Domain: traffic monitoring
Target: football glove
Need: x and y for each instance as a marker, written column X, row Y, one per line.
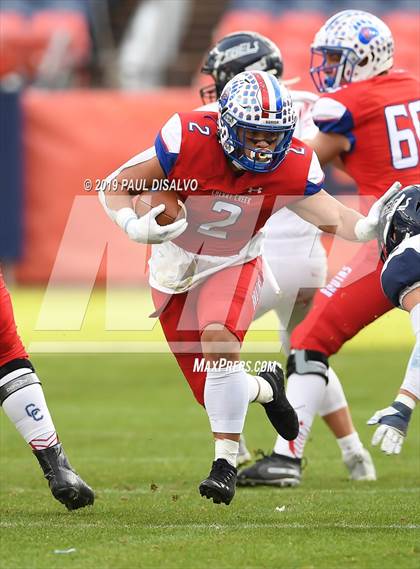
column 365, row 228
column 145, row 229
column 393, row 424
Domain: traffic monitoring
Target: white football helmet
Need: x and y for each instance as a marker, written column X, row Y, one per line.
column 255, row 101
column 363, row 42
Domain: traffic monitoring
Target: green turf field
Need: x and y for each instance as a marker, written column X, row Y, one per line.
column 131, row 428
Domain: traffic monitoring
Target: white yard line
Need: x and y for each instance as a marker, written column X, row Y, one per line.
column 217, row 527
column 89, row 347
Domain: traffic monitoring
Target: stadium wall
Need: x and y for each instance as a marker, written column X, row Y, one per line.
column 69, row 137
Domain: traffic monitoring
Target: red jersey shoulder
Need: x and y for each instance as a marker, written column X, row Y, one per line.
column 198, row 125
column 300, row 147
column 292, row 175
column 362, row 96
column 299, row 154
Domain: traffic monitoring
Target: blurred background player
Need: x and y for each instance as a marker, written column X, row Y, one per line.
column 290, row 242
column 23, row 401
column 399, row 238
column 206, row 280
column 368, row 117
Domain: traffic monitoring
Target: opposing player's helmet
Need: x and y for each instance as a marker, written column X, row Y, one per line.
column 255, row 101
column 237, row 52
column 363, row 43
column 399, row 219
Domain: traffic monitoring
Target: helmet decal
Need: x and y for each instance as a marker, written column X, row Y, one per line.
column 235, row 53
column 367, row 33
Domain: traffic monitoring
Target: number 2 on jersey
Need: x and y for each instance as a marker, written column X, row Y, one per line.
column 210, row 228
column 192, row 126
column 404, row 138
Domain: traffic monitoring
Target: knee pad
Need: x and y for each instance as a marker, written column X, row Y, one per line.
column 15, row 375
column 307, row 361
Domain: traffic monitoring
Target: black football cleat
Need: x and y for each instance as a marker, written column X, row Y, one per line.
column 65, row 484
column 273, row 470
column 279, row 411
column 221, row 483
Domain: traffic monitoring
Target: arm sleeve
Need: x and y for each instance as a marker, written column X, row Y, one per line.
column 168, row 143
column 315, row 177
column 331, row 116
column 303, row 102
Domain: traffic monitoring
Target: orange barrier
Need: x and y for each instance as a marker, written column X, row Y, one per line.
column 69, row 137
column 24, row 41
column 294, row 32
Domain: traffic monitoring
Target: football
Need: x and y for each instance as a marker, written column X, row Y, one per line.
column 173, row 208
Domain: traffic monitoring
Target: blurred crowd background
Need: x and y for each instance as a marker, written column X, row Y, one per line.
column 85, row 84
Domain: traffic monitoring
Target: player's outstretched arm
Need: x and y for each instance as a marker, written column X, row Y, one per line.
column 393, row 421
column 331, row 216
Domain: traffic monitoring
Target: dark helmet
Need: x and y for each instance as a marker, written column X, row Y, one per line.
column 400, row 218
column 237, row 52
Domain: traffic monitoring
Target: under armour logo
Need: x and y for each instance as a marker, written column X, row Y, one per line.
column 254, row 190
column 34, row 412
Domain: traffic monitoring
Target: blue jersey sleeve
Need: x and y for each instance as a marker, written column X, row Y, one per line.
column 331, row 116
column 168, row 143
column 315, row 177
column 312, row 188
column 166, row 159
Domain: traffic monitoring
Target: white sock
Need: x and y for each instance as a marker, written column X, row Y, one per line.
column 259, row 389
column 305, row 393
column 415, row 319
column 411, row 380
column 227, row 449
column 226, row 400
column 349, row 445
column 334, row 395
column 28, row 410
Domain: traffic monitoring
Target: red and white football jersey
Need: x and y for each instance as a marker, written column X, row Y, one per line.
column 227, row 209
column 380, row 118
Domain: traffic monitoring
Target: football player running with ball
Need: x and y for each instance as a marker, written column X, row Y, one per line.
column 205, row 270
column 23, row 401
column 367, row 115
column 399, row 237
column 288, row 241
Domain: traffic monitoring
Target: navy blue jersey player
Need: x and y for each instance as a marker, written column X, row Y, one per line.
column 399, row 239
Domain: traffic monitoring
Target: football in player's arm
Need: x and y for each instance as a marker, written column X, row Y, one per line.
column 399, row 237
